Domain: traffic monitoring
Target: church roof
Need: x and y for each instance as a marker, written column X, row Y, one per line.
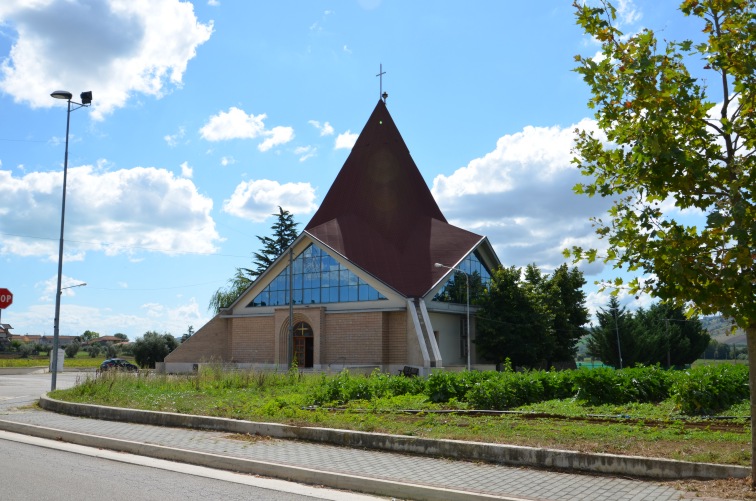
column 380, row 214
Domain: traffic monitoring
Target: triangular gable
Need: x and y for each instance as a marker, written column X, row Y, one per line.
column 318, row 278
column 380, row 214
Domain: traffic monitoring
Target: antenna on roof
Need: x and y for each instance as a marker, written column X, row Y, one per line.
column 382, row 94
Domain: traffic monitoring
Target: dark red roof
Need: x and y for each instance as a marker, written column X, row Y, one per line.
column 380, row 214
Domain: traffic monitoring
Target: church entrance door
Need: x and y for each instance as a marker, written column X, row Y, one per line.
column 303, row 345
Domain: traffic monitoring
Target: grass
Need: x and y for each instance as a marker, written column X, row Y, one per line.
column 653, row 430
column 81, row 362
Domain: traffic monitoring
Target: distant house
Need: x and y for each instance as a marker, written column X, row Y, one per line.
column 359, row 287
column 63, row 341
column 103, row 340
column 5, row 334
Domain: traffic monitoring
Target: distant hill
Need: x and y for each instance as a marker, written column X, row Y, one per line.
column 719, row 330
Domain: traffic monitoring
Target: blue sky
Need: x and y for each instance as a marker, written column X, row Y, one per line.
column 208, row 115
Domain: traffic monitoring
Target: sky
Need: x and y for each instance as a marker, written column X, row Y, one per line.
column 209, row 115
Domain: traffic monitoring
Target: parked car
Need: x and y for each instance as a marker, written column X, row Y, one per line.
column 118, row 364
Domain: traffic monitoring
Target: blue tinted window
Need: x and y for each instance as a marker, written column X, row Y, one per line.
column 317, row 278
column 455, row 290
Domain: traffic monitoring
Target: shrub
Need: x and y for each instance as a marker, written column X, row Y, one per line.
column 72, row 349
column 443, row 386
column 25, row 350
column 710, row 389
column 152, row 348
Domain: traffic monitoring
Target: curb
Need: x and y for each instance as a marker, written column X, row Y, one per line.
column 634, row 466
column 332, row 480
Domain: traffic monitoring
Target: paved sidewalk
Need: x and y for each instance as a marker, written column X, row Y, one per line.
column 484, row 480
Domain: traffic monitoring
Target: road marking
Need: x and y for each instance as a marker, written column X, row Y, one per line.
column 188, row 469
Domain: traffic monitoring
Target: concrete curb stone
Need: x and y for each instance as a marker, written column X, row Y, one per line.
column 634, row 466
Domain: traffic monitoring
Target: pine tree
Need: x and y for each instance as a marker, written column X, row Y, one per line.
column 284, row 233
column 616, row 325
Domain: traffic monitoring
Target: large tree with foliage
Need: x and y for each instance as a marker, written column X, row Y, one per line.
column 284, row 232
column 511, row 323
column 152, row 348
column 670, row 338
column 532, row 318
column 614, row 339
column 566, row 302
column 675, row 139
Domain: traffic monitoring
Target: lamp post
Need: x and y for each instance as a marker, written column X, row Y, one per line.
column 467, row 281
column 86, row 100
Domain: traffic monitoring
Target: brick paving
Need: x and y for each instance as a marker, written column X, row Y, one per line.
column 459, row 475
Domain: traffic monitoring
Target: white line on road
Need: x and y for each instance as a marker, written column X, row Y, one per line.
column 200, row 471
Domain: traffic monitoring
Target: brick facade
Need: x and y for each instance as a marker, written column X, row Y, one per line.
column 348, row 338
column 209, row 343
column 252, row 340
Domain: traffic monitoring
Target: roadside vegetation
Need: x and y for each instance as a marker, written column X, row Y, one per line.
column 640, row 411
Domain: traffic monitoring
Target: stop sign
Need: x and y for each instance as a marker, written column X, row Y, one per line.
column 6, row 298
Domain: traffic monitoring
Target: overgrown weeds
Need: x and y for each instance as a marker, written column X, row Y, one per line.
column 651, row 409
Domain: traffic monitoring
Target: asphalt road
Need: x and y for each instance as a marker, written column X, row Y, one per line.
column 32, row 468
column 25, row 389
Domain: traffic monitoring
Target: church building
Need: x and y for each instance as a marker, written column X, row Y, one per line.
column 377, row 279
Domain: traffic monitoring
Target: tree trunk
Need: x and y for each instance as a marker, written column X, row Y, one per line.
column 751, row 341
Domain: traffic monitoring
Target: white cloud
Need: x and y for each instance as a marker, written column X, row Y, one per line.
column 186, row 170
column 627, row 12
column 50, row 287
column 75, row 318
column 122, row 211
column 520, row 194
column 236, row 124
column 345, row 141
column 173, row 139
column 114, row 48
column 213, row 3
column 325, row 129
column 225, row 161
column 256, row 200
column 276, row 136
column 233, row 124
column 305, row 152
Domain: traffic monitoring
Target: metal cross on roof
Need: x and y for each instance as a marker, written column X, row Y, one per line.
column 380, row 75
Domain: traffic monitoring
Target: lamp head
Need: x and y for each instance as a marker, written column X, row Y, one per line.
column 62, row 94
column 439, row 265
column 86, row 97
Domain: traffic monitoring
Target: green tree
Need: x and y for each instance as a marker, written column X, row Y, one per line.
column 669, row 338
column 566, row 301
column 72, row 349
column 152, row 348
column 284, row 233
column 122, row 337
column 511, row 323
column 25, row 350
column 110, row 350
column 189, row 333
column 615, row 325
column 672, row 137
column 88, row 336
column 94, row 350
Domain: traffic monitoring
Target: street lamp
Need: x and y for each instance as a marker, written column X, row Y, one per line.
column 86, row 100
column 467, row 280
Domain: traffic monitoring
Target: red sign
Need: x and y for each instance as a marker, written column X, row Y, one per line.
column 6, row 298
